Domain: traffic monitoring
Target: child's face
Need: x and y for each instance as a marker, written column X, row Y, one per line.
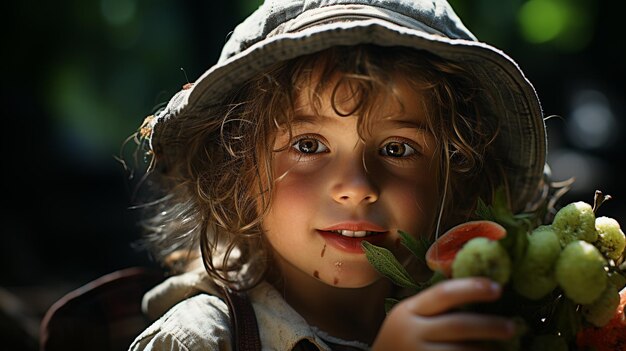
column 330, row 179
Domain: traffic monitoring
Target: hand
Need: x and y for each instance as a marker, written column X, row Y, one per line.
column 425, row 321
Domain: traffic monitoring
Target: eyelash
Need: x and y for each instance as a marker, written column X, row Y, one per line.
column 300, row 138
column 381, row 151
column 411, row 146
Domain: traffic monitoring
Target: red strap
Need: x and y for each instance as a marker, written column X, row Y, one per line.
column 243, row 320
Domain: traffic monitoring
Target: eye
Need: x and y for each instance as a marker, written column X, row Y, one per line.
column 309, row 145
column 397, row 149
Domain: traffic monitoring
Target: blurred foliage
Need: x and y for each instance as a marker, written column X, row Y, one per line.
column 80, row 76
column 246, row 7
column 118, row 64
column 100, row 85
column 566, row 25
column 120, row 59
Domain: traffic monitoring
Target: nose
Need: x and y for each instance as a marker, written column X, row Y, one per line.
column 353, row 184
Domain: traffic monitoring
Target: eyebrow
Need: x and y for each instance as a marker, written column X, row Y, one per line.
column 408, row 123
column 311, row 119
column 411, row 123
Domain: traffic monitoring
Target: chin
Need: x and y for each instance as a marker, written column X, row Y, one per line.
column 352, row 277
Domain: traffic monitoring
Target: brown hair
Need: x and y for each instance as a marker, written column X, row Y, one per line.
column 217, row 191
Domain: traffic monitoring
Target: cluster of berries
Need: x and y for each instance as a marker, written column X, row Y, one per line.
column 577, row 253
column 564, row 281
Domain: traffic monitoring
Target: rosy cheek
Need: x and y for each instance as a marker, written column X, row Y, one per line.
column 293, row 189
column 294, row 195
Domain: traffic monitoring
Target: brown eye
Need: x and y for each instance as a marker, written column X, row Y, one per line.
column 397, row 149
column 309, row 146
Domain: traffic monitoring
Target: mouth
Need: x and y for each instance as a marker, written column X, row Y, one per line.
column 349, row 240
column 354, row 233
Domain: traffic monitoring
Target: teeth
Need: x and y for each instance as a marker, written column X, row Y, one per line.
column 360, row 233
column 353, row 234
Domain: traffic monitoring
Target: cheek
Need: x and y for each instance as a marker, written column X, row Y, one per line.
column 297, row 185
column 295, row 191
column 294, row 198
column 415, row 204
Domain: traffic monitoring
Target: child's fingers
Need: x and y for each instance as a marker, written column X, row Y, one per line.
column 465, row 327
column 451, row 294
column 424, row 321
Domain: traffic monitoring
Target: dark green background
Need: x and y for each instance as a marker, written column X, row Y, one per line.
column 79, row 76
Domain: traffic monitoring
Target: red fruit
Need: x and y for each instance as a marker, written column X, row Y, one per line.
column 442, row 252
column 611, row 337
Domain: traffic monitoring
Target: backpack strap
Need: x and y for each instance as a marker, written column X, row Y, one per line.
column 245, row 331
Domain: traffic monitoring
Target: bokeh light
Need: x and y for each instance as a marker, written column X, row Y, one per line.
column 543, row 20
column 568, row 24
column 592, row 124
column 587, row 171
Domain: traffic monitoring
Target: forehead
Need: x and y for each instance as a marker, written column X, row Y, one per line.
column 393, row 98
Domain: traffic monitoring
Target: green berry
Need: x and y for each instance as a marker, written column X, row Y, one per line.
column 482, row 257
column 576, row 221
column 602, row 310
column 534, row 277
column 580, row 272
column 611, row 240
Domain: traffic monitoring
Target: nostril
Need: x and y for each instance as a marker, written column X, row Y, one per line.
column 355, row 194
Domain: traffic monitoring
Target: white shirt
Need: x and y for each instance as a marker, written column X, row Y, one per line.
column 193, row 316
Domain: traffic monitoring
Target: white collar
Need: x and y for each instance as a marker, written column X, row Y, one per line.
column 280, row 326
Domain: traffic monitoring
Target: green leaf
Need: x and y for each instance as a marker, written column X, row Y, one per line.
column 389, row 303
column 484, row 212
column 417, row 247
column 500, row 209
column 387, row 264
column 517, row 226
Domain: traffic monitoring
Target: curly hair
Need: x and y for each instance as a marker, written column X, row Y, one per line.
column 214, row 195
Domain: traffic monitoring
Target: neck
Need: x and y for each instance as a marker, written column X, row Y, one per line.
column 347, row 313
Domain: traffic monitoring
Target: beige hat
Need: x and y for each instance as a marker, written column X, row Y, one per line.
column 284, row 29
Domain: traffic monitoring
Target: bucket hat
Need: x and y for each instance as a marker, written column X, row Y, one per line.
column 280, row 30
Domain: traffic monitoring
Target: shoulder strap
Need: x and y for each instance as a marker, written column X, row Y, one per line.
column 244, row 325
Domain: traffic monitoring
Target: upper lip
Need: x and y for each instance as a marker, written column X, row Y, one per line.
column 356, row 226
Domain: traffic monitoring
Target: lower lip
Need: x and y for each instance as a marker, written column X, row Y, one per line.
column 348, row 244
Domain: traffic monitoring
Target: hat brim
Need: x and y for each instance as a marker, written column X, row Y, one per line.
column 522, row 139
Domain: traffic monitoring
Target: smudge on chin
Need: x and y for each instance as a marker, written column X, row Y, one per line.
column 316, row 274
column 335, row 281
column 323, row 250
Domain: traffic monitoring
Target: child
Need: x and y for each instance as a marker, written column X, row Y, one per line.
column 324, row 124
